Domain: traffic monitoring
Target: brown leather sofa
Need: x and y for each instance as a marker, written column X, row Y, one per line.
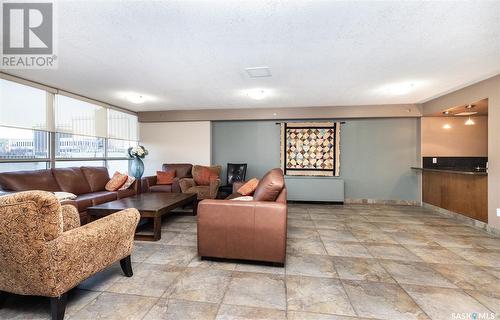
column 87, row 183
column 182, row 170
column 248, row 230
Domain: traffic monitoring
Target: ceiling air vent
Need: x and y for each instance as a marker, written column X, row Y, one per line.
column 258, row 72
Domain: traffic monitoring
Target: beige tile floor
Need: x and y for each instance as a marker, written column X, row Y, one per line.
column 343, row 262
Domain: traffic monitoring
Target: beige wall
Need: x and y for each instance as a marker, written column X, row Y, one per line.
column 490, row 89
column 168, row 142
column 333, row 112
column 458, row 141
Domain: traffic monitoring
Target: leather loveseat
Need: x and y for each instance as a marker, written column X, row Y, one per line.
column 182, row 170
column 87, row 183
column 249, row 230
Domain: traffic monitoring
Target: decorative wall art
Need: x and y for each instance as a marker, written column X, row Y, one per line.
column 310, row 148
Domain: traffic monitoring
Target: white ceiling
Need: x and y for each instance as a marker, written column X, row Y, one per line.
column 192, row 54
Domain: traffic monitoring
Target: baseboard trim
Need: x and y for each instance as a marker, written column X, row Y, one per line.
column 315, row 202
column 383, row 202
column 466, row 220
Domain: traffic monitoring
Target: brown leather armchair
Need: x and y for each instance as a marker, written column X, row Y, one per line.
column 182, row 170
column 188, row 185
column 45, row 252
column 249, row 230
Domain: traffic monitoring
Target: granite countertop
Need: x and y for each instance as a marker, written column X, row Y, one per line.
column 469, row 171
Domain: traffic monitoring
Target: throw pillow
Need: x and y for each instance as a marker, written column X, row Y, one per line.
column 165, row 177
column 249, row 187
column 246, row 198
column 61, row 196
column 127, row 183
column 116, row 181
column 204, row 175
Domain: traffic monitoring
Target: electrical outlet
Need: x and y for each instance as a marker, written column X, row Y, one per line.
column 434, row 160
column 498, row 212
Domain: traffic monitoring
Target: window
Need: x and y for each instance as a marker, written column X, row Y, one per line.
column 76, row 132
column 73, row 146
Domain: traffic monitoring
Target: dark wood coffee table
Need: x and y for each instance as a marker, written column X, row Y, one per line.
column 150, row 205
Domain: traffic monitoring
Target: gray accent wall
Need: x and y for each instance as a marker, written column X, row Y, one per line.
column 376, row 155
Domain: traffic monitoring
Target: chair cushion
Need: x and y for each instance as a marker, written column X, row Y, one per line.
column 165, row 177
column 161, row 188
column 202, row 191
column 182, row 170
column 270, row 186
column 71, row 180
column 249, row 187
column 203, row 175
column 29, row 180
column 97, row 177
column 116, row 181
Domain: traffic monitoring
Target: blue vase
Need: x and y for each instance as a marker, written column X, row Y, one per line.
column 137, row 168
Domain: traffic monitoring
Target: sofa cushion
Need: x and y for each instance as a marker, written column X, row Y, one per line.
column 71, row 180
column 83, row 202
column 161, row 188
column 97, row 198
column 270, row 186
column 165, row 177
column 29, row 180
column 116, row 181
column 182, row 170
column 97, row 177
column 249, row 187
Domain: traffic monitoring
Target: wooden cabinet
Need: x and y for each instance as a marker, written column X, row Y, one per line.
column 466, row 194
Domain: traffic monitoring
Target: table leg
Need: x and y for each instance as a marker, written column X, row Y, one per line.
column 157, row 228
column 195, row 207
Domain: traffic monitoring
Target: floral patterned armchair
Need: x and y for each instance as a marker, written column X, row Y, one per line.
column 45, row 252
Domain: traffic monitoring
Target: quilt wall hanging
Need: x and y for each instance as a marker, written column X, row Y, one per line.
column 310, row 148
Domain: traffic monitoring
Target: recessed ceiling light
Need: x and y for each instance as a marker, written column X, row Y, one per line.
column 446, row 126
column 258, row 72
column 135, row 98
column 470, row 106
column 257, row 93
column 447, row 112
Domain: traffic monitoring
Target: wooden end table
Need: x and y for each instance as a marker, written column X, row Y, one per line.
column 152, row 205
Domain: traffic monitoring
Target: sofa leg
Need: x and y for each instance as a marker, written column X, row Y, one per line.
column 3, row 297
column 126, row 265
column 58, row 306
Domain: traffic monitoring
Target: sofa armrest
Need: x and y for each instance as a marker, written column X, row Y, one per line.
column 71, row 218
column 186, row 183
column 176, row 187
column 253, row 230
column 148, row 182
column 214, row 188
column 79, row 253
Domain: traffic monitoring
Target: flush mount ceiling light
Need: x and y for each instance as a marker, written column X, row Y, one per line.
column 135, row 98
column 258, row 72
column 470, row 122
column 399, row 89
column 257, row 93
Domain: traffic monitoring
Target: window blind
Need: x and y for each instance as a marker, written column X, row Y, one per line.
column 79, row 117
column 22, row 106
column 122, row 125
